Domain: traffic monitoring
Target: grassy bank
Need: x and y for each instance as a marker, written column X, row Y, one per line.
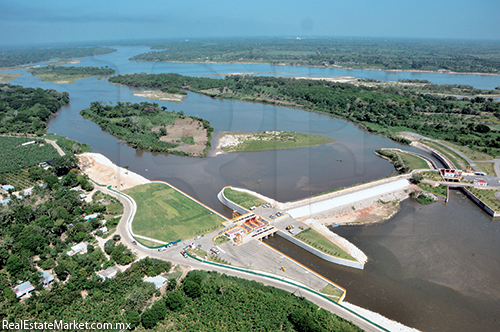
column 243, row 199
column 456, row 159
column 7, row 77
column 468, row 152
column 487, row 196
column 332, row 292
column 488, row 168
column 269, row 140
column 167, row 215
column 403, row 162
column 318, row 241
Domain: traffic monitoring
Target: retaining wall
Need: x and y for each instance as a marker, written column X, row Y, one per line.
column 480, row 203
column 230, row 204
column 322, row 255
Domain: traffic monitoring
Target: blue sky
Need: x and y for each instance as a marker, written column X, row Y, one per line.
column 56, row 21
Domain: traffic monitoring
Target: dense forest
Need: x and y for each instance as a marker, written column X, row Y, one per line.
column 136, row 124
column 25, row 110
column 51, row 73
column 400, row 54
column 16, row 57
column 382, row 109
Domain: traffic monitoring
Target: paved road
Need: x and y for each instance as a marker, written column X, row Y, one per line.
column 173, row 255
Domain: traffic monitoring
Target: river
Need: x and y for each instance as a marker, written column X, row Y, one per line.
column 431, row 267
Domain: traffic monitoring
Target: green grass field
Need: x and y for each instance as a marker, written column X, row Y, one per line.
column 468, row 152
column 243, row 199
column 165, row 214
column 488, row 168
column 318, row 241
column 332, row 291
column 277, row 140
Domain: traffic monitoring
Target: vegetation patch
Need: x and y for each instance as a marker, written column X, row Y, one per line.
column 318, row 241
column 472, row 154
column 269, row 140
column 488, row 168
column 332, row 291
column 25, row 110
column 65, row 75
column 146, row 126
column 242, row 198
column 15, row 155
column 403, row 162
column 165, row 214
column 439, row 190
column 22, row 56
column 221, row 239
column 7, row 77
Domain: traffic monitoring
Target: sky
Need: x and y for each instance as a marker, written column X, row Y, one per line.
column 26, row 22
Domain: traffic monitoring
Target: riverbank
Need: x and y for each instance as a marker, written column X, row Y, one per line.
column 103, row 171
column 159, row 95
column 442, row 71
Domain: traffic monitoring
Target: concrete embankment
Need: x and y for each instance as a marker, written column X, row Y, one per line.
column 346, row 197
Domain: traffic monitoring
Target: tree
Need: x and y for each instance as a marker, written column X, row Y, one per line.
column 64, row 164
column 191, row 288
column 15, row 265
column 149, row 319
column 175, row 301
column 159, row 307
column 133, row 318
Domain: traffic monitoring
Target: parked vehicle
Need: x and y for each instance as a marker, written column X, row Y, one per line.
column 162, row 249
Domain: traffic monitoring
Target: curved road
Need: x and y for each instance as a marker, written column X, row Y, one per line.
column 173, row 255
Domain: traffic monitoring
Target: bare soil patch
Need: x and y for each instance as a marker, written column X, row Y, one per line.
column 187, row 129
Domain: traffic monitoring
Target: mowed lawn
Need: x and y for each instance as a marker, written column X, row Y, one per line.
column 165, row 214
column 242, row 199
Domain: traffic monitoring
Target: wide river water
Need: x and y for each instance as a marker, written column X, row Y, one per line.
column 431, row 267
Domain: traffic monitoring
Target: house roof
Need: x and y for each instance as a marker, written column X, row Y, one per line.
column 46, row 277
column 91, row 216
column 158, row 281
column 79, row 247
column 110, row 272
column 23, row 288
column 479, row 181
column 6, row 187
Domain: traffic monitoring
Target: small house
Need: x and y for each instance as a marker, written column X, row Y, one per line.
column 108, row 273
column 46, row 278
column 91, row 216
column 23, row 289
column 80, row 248
column 6, row 201
column 7, row 187
column 480, row 182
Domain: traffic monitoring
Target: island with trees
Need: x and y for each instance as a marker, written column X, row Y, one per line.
column 359, row 53
column 146, row 126
column 386, row 110
column 24, row 56
column 65, row 75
